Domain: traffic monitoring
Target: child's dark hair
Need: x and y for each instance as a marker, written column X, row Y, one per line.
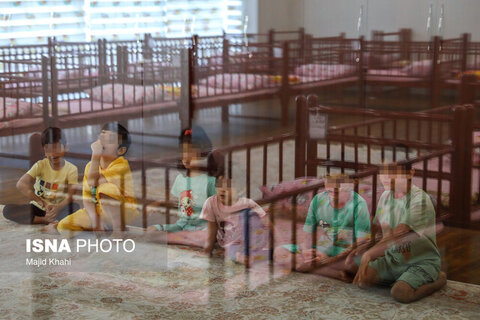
column 216, row 164
column 53, row 135
column 197, row 137
column 124, row 139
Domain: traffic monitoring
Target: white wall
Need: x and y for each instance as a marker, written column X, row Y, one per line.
column 462, row 16
column 330, row 17
column 327, row 18
column 280, row 15
column 250, row 9
column 391, row 15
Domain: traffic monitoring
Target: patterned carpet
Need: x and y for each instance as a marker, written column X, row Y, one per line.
column 188, row 285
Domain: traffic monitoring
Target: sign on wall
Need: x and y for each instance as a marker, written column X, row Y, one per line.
column 318, row 125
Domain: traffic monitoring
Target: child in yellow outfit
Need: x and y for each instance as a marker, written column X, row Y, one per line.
column 108, row 195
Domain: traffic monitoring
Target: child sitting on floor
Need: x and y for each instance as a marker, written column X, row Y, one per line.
column 193, row 189
column 343, row 218
column 407, row 255
column 226, row 221
column 49, row 184
column 107, row 186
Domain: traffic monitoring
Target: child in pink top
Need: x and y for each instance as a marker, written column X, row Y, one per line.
column 226, row 222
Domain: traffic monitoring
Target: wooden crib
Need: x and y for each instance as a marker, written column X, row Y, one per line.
column 187, row 74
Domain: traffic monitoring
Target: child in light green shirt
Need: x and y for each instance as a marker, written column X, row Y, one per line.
column 407, row 256
column 339, row 222
column 340, row 226
column 192, row 189
column 191, row 192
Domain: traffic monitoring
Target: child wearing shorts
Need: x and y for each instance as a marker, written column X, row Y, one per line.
column 49, row 184
column 107, row 186
column 226, row 216
column 193, row 189
column 341, row 216
column 407, row 256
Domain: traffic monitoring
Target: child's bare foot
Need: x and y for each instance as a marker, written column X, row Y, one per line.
column 345, row 277
column 441, row 280
column 152, row 234
column 218, row 252
column 404, row 293
column 303, row 266
column 50, row 228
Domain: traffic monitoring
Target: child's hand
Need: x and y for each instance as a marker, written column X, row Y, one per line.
column 102, row 180
column 43, row 204
column 308, row 256
column 309, row 253
column 51, row 212
column 97, row 148
column 353, row 253
column 361, row 276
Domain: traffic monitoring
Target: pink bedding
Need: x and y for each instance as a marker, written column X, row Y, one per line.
column 204, row 91
column 20, row 123
column 410, row 72
column 29, row 113
column 433, row 165
column 83, row 105
column 388, row 72
column 79, row 106
column 422, row 68
column 303, row 79
column 324, row 71
column 130, row 95
column 11, row 106
column 237, row 81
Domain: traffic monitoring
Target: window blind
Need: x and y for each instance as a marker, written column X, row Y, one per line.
column 30, row 22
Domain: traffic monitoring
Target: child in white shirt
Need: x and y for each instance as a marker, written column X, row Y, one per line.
column 226, row 223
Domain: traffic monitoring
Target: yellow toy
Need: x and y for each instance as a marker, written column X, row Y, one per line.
column 278, row 79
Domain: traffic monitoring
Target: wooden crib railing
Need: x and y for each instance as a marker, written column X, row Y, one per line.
column 421, row 137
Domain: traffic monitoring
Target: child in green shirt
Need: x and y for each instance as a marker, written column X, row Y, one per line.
column 407, row 255
column 192, row 189
column 341, row 220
